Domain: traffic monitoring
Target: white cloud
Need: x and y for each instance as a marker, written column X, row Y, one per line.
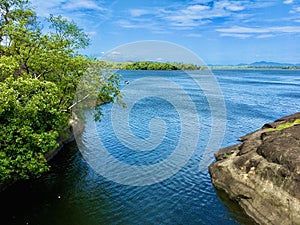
column 79, row 11
column 194, row 35
column 260, row 32
column 192, row 15
column 285, row 29
column 115, row 53
column 83, row 5
column 205, row 11
column 236, row 35
column 195, row 9
column 5, row 41
column 288, row 2
column 44, row 8
column 139, row 12
column 128, row 24
column 229, row 5
column 184, row 17
column 88, row 14
column 235, row 7
column 240, row 30
column 295, row 9
column 135, row 24
column 265, row 36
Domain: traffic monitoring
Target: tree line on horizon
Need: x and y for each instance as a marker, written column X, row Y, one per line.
column 150, row 65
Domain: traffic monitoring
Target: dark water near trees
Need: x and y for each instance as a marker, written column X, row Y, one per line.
column 72, row 193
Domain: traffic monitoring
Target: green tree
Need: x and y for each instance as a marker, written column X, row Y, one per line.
column 39, row 75
column 30, row 118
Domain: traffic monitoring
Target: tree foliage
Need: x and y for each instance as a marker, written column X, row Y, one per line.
column 39, row 75
column 150, row 65
column 30, row 117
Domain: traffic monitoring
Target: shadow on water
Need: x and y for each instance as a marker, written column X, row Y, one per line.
column 71, row 194
column 56, row 198
column 237, row 213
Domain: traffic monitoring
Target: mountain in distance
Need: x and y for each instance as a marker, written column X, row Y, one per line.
column 265, row 63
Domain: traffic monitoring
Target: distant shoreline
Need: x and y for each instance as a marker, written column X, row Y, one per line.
column 151, row 65
column 253, row 68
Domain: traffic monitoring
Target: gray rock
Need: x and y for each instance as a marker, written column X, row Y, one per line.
column 262, row 173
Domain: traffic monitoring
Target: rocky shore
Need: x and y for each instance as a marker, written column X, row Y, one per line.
column 262, row 173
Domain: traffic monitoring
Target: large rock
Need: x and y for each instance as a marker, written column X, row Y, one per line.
column 262, row 173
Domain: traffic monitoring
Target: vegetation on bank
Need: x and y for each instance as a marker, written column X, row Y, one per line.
column 39, row 74
column 150, row 65
column 285, row 125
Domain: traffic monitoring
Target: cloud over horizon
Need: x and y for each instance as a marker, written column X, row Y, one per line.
column 234, row 24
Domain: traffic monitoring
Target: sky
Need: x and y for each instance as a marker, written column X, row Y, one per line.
column 223, row 32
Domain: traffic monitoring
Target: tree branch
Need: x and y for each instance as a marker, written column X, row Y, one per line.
column 77, row 102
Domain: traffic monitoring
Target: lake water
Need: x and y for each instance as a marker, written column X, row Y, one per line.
column 72, row 193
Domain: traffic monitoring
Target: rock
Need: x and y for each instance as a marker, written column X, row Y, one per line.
column 262, row 173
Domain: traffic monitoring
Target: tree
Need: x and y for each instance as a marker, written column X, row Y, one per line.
column 30, row 118
column 39, row 75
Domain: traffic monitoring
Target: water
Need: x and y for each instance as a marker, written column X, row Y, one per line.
column 72, row 193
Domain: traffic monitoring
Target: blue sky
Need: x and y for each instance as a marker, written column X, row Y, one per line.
column 220, row 32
